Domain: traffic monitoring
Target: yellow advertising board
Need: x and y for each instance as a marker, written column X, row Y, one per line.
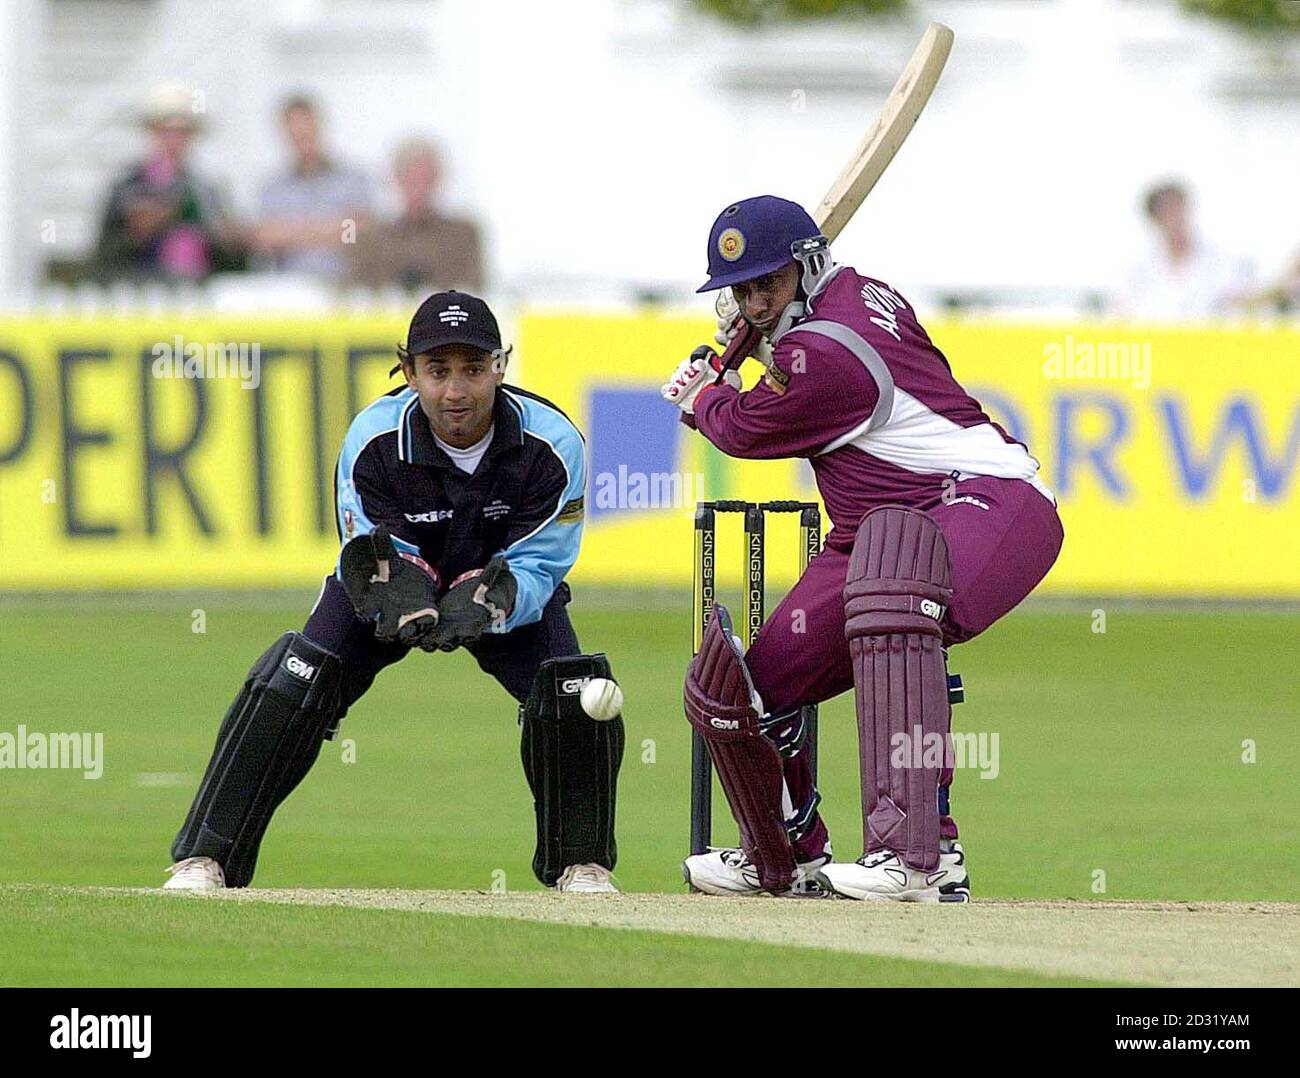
column 1173, row 452
column 183, row 451
column 120, row 466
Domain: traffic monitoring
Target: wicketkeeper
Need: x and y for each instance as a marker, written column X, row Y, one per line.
column 940, row 527
column 460, row 510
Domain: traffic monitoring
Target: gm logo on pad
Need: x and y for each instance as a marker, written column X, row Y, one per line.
column 573, row 685
column 300, row 669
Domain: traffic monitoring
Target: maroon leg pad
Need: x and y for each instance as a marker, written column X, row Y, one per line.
column 898, row 587
column 719, row 704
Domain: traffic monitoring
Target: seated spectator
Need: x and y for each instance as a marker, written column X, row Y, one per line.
column 1288, row 291
column 1183, row 277
column 310, row 215
column 1284, row 296
column 162, row 221
column 422, row 249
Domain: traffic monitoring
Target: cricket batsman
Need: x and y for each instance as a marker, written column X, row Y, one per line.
column 460, row 510
column 940, row 526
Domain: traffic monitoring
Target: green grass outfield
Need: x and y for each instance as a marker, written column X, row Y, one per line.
column 65, row 937
column 1120, row 762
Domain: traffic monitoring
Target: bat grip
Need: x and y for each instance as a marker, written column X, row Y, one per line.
column 740, row 348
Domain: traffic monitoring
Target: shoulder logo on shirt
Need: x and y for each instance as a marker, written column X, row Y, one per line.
column 571, row 512
column 777, row 380
column 433, row 516
column 349, row 524
column 496, row 509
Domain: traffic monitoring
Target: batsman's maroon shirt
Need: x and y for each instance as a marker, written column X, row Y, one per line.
column 858, row 388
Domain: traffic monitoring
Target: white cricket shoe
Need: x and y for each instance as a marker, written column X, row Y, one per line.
column 588, row 879
column 727, row 871
column 195, row 874
column 883, row 877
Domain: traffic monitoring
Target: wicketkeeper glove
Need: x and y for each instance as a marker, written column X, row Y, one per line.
column 693, row 375
column 395, row 590
column 476, row 600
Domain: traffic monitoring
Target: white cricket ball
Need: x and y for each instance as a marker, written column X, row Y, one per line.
column 602, row 699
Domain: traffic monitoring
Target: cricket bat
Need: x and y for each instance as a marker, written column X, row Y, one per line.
column 872, row 156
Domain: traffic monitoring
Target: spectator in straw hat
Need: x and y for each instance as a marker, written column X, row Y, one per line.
column 162, row 220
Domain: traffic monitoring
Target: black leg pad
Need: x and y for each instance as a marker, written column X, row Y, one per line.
column 572, row 764
column 268, row 742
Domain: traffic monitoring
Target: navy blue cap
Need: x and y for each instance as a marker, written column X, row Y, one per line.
column 453, row 318
column 754, row 237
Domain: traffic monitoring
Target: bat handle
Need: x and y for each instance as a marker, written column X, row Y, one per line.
column 741, row 347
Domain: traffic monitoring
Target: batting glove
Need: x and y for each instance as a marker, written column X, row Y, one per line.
column 694, row 375
column 729, row 324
